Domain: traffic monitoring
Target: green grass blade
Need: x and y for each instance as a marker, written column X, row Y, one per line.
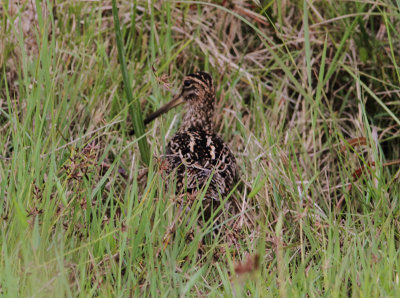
column 136, row 112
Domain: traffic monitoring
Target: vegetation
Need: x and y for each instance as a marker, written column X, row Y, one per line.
column 307, row 98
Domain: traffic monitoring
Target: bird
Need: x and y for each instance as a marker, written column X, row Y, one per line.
column 196, row 153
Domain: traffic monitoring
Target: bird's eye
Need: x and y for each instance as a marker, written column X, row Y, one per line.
column 187, row 83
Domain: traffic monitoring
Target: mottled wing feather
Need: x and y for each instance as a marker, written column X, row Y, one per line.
column 195, row 155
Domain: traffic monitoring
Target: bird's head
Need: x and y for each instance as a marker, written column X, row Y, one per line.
column 197, row 92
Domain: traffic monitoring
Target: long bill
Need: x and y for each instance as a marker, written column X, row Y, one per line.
column 176, row 101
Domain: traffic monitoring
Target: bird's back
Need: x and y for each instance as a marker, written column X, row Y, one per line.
column 195, row 155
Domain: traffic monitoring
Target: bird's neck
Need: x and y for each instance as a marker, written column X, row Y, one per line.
column 199, row 117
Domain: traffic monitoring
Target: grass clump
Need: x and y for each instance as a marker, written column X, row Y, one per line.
column 307, row 98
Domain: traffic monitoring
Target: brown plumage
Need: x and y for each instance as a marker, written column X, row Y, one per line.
column 196, row 153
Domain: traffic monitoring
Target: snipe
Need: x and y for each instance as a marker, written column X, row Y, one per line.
column 196, row 152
